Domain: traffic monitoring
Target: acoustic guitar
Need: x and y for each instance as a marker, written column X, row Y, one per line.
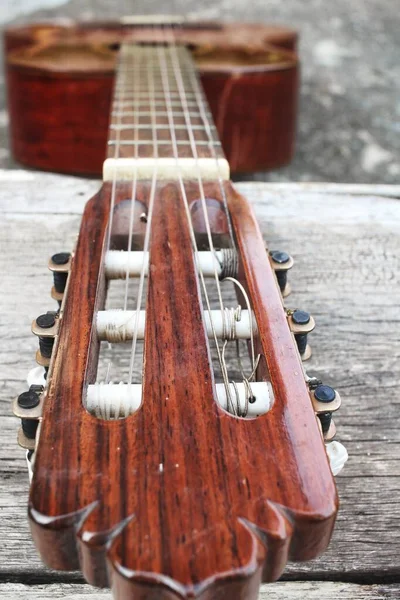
column 177, row 445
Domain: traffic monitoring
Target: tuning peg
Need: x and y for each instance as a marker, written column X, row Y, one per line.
column 59, row 264
column 27, row 408
column 301, row 323
column 325, row 401
column 281, row 262
column 45, row 327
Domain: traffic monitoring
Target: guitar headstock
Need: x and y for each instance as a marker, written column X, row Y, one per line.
column 205, row 469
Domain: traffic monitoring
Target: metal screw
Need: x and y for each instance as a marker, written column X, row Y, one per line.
column 324, row 393
column 46, row 321
column 61, row 258
column 28, row 399
column 279, row 256
column 300, row 317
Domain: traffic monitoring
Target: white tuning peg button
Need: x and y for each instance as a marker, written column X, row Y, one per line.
column 36, row 376
column 337, row 455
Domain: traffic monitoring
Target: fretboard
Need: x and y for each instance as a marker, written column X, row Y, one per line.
column 160, row 114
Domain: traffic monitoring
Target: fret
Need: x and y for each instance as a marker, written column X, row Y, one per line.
column 128, row 102
column 148, row 113
column 159, row 127
column 141, row 113
column 162, row 142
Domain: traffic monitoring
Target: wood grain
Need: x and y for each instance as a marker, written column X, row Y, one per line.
column 355, row 345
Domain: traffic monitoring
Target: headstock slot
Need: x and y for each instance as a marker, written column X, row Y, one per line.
column 127, row 255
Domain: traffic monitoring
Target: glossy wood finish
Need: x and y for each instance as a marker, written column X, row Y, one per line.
column 60, row 81
column 180, row 499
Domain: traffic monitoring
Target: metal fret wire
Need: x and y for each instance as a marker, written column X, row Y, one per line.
column 126, row 90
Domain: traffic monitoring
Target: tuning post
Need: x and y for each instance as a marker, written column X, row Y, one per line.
column 59, row 264
column 301, row 323
column 45, row 327
column 281, row 262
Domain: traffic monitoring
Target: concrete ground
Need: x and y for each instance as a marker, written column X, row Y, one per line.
column 349, row 122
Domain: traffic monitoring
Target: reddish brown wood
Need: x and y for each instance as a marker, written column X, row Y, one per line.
column 60, row 80
column 233, row 498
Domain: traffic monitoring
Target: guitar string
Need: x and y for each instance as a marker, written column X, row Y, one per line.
column 179, row 80
column 222, row 363
column 135, row 106
column 196, row 87
column 150, row 83
column 221, row 355
column 120, row 64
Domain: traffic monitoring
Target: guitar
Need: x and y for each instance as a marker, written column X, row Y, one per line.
column 178, row 447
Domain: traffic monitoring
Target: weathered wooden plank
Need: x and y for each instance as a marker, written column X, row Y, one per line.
column 347, row 275
column 288, row 590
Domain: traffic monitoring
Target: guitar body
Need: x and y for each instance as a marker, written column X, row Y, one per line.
column 60, row 83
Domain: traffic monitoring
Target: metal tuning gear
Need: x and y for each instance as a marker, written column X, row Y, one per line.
column 326, row 400
column 46, row 328
column 301, row 323
column 281, row 262
column 28, row 407
column 60, row 265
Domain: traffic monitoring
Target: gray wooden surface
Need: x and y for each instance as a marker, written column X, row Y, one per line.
column 346, row 245
column 348, row 126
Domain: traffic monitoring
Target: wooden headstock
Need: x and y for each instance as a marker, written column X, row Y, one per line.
column 180, row 499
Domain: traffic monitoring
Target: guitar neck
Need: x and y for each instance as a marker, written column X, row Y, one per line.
column 160, row 120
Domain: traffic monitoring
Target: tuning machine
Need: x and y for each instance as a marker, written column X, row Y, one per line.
column 301, row 323
column 46, row 328
column 28, row 407
column 59, row 264
column 326, row 401
column 281, row 262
